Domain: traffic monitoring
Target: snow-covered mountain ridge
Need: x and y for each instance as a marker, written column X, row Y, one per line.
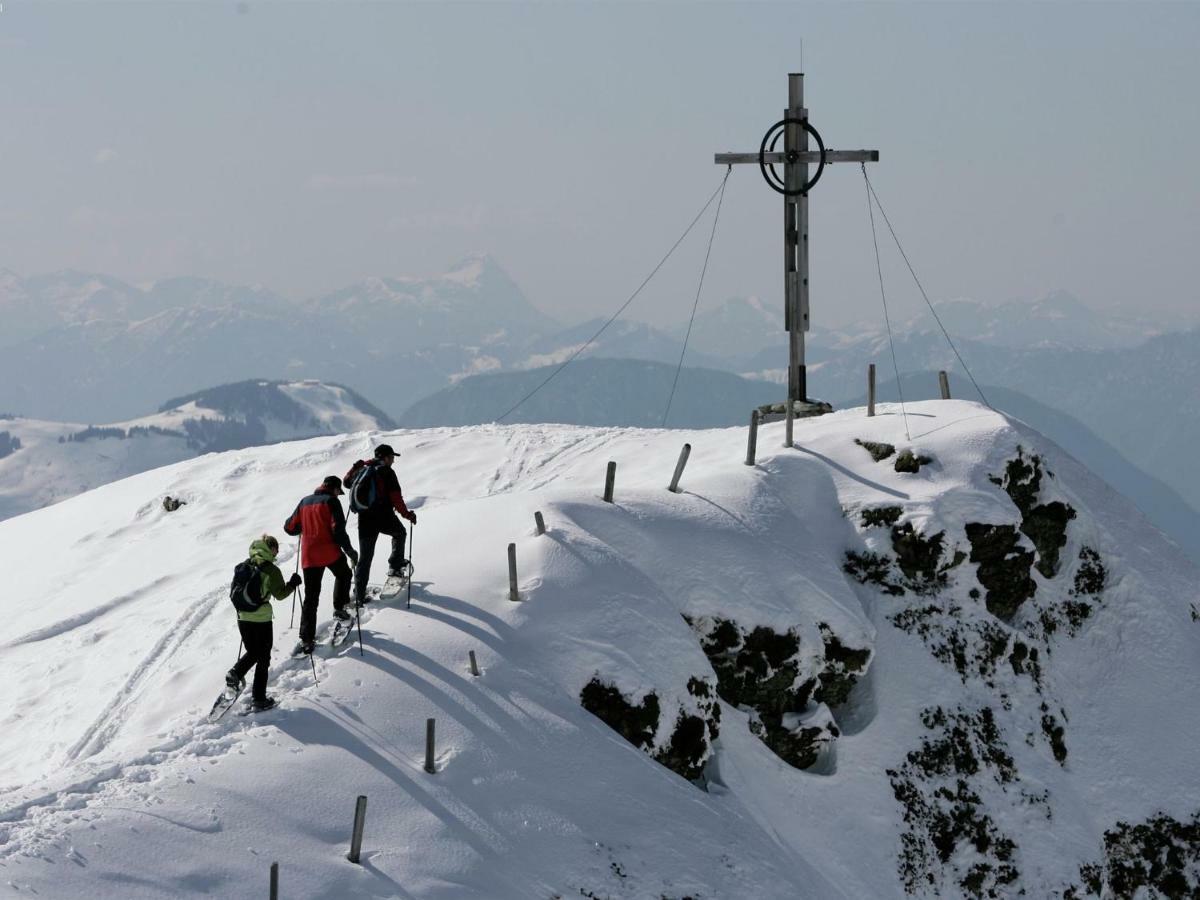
column 954, row 680
column 44, row 462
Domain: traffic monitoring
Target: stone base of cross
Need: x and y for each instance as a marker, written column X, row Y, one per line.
column 796, row 157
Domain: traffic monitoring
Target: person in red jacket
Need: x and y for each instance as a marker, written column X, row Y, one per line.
column 378, row 499
column 321, row 524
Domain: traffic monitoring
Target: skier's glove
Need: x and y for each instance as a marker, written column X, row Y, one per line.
column 412, row 517
column 294, row 581
column 353, row 554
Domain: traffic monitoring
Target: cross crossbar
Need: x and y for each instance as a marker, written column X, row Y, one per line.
column 811, row 157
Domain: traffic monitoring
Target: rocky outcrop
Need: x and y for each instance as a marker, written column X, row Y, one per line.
column 685, row 749
column 1157, row 858
column 950, row 843
column 786, row 693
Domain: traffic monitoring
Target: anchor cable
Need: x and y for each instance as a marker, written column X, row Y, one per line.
column 937, row 318
column 613, row 318
column 703, row 270
column 883, row 296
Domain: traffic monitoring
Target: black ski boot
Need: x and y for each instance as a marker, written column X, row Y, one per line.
column 234, row 681
column 304, row 648
column 263, row 704
column 342, row 614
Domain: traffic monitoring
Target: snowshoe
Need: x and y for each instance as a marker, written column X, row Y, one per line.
column 340, row 630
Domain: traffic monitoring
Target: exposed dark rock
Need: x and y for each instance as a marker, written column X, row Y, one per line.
column 872, row 568
column 637, row 724
column 1159, row 857
column 880, row 515
column 1003, row 567
column 918, row 557
column 843, row 666
column 759, row 671
column 1055, row 734
column 170, row 504
column 1044, row 524
column 910, row 462
column 687, row 749
column 1091, row 575
column 879, row 452
column 943, row 813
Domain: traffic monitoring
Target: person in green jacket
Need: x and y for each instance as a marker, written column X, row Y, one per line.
column 256, row 629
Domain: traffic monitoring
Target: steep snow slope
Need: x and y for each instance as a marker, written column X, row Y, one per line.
column 959, row 734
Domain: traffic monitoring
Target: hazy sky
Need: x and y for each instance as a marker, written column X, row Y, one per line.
column 1025, row 148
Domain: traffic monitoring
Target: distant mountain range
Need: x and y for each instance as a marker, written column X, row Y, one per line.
column 597, row 392
column 43, row 462
column 84, row 347
column 93, row 347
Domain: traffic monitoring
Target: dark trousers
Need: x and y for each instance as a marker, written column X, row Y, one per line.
column 257, row 638
column 370, row 527
column 312, row 594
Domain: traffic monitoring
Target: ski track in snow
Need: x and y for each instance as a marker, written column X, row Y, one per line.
column 85, row 618
column 28, row 822
column 102, row 730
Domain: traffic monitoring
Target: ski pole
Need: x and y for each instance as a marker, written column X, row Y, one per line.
column 412, row 542
column 358, row 621
column 292, row 623
column 313, row 663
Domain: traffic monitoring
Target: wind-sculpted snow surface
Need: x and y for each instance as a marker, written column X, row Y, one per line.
column 816, row 677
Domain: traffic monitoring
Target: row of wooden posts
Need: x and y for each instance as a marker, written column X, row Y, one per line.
column 943, row 386
column 752, row 440
column 610, row 480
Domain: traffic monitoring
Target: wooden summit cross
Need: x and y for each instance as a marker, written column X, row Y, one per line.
column 795, row 185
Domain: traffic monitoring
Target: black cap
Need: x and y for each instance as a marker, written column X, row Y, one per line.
column 384, row 450
column 332, row 485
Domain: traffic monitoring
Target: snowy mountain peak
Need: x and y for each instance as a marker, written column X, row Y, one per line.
column 953, row 664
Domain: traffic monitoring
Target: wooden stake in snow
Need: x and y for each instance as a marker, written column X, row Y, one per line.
column 430, row 767
column 512, row 573
column 474, row 664
column 752, row 442
column 360, row 820
column 274, row 881
column 871, row 389
column 610, row 479
column 683, row 458
column 944, row 384
column 539, row 523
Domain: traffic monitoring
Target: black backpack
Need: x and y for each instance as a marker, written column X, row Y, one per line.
column 363, row 493
column 246, row 589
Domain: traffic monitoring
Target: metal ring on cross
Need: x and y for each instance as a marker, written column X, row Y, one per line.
column 774, row 133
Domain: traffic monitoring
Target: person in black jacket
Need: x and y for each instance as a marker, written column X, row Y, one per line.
column 378, row 501
column 321, row 524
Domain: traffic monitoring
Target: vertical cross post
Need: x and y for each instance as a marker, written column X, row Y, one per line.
column 871, row 389
column 796, row 156
column 795, row 240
